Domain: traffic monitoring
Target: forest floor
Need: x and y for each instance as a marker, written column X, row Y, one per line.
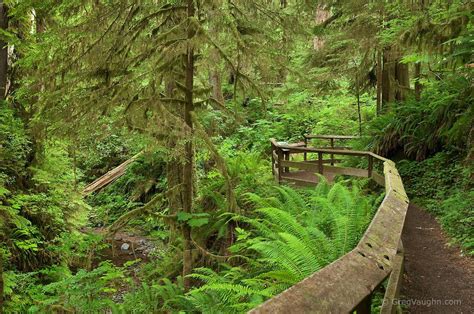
column 123, row 247
column 438, row 278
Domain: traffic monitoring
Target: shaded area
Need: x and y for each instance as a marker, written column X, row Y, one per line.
column 438, row 279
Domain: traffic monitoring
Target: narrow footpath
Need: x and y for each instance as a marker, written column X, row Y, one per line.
column 438, row 279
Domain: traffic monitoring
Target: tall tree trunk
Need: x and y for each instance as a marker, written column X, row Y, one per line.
column 322, row 15
column 379, row 82
column 37, row 129
column 215, row 78
column 395, row 79
column 282, row 72
column 402, row 81
column 3, row 88
column 358, row 101
column 1, row 281
column 174, row 166
column 3, row 52
column 188, row 150
column 388, row 73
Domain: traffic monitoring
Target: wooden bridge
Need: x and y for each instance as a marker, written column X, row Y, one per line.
column 346, row 285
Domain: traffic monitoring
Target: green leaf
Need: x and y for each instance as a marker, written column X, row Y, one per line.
column 183, row 216
column 198, row 222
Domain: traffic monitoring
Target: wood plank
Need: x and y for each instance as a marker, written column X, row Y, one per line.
column 274, row 142
column 379, row 179
column 325, row 161
column 328, row 137
column 320, row 163
column 275, row 156
column 392, row 292
column 336, row 288
column 380, row 158
column 300, row 165
column 296, row 150
column 355, row 172
column 299, row 144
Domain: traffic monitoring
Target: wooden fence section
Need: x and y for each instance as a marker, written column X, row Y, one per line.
column 347, row 284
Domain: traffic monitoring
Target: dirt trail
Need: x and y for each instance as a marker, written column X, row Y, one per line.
column 437, row 278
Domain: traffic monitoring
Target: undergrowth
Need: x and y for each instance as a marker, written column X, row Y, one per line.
column 443, row 185
column 285, row 237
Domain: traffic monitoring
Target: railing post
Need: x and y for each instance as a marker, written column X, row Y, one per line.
column 305, row 145
column 286, row 156
column 364, row 306
column 320, row 162
column 332, row 155
column 371, row 166
column 273, row 159
column 280, row 168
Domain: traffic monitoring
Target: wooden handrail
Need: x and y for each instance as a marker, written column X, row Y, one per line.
column 301, row 149
column 328, row 137
column 347, row 284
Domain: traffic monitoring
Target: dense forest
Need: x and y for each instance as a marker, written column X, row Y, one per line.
column 185, row 96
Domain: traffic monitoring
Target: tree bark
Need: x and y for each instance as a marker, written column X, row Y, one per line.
column 3, row 88
column 402, row 81
column 359, row 113
column 3, row 52
column 215, row 78
column 395, row 79
column 388, row 72
column 379, row 82
column 174, row 166
column 1, row 281
column 189, row 150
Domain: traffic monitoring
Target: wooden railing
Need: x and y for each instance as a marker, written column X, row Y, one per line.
column 347, row 284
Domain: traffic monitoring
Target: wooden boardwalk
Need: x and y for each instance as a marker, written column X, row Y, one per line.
column 347, row 284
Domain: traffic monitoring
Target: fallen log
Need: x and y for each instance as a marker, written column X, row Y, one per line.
column 109, row 177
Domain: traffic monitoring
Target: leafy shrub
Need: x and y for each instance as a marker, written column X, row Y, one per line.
column 442, row 119
column 142, row 179
column 14, row 147
column 443, row 185
column 293, row 235
column 457, row 218
column 35, row 218
column 83, row 292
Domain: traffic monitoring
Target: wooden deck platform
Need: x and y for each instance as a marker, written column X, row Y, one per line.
column 305, row 178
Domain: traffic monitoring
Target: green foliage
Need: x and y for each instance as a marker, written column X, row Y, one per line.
column 14, row 147
column 163, row 296
column 443, row 185
column 303, row 113
column 83, row 292
column 457, row 218
column 293, row 235
column 34, row 219
column 94, row 82
column 143, row 179
column 442, row 119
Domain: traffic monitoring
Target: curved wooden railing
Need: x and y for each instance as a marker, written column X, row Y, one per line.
column 347, row 284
